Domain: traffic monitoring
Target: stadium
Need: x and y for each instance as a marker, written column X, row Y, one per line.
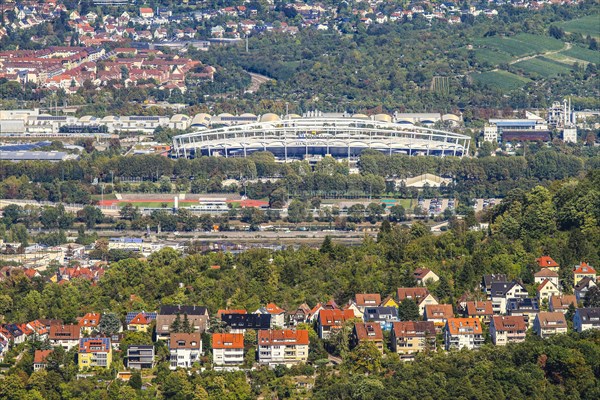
column 296, row 137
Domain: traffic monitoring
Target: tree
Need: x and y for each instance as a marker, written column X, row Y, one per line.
column 128, row 211
column 278, row 198
column 296, row 211
column 592, row 297
column 186, row 327
column 408, row 310
column 136, row 380
column 109, row 324
column 90, row 216
column 176, row 326
column 364, row 359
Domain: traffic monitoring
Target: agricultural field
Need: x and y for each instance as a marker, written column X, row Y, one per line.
column 492, row 57
column 587, row 25
column 543, row 67
column 583, row 54
column 503, row 80
column 520, row 45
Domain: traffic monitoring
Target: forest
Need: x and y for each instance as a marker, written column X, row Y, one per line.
column 561, row 221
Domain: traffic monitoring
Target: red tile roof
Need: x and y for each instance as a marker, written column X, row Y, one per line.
column 583, row 268
column 335, row 317
column 368, row 299
column 464, row 326
column 509, row 323
column 40, row 356
column 546, row 273
column 413, row 328
column 546, row 261
column 228, row 341
column 479, row 308
column 368, row 331
column 413, row 293
column 282, row 337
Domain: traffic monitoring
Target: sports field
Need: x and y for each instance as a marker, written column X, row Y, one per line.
column 588, row 25
column 501, row 79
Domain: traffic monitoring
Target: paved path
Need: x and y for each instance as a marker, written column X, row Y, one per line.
column 257, row 80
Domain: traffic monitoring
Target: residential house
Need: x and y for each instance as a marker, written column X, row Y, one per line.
column 197, row 316
column 89, row 323
column 228, row 350
column 331, row 321
column 438, row 314
column 239, row 323
column 488, row 280
column 66, row 336
column 507, row 329
column 463, row 332
column 363, row 300
column 583, row 271
column 500, row 292
column 418, row 294
column 549, row 323
column 525, row 307
column 582, row 288
column 411, row 337
column 546, row 274
column 547, row 262
column 479, row 309
column 546, row 290
column 282, row 347
column 139, row 321
column 277, row 314
column 369, row 332
column 384, row 316
column 14, row 333
column 358, row 313
column 424, row 276
column 94, row 352
column 140, row 356
column 40, row 329
column 185, row 349
column 561, row 303
column 586, row 318
column 300, row 315
column 39, row 359
column 146, row 12
column 389, row 302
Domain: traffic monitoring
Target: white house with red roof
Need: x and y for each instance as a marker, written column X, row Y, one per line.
column 583, row 270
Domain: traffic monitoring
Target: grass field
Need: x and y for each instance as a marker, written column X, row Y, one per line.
column 583, row 54
column 542, row 66
column 520, row 45
column 494, row 58
column 587, row 25
column 501, row 79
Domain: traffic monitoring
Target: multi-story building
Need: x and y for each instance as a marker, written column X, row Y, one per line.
column 562, row 303
column 479, row 309
column 586, row 318
column 463, row 332
column 369, row 332
column 66, row 336
column 282, row 347
column 582, row 287
column 94, row 352
column 240, row 323
column 411, row 337
column 197, row 317
column 89, row 323
column 500, row 292
column 507, row 329
column 525, row 307
column 39, row 359
column 332, row 321
column 546, row 290
column 384, row 316
column 438, row 314
column 185, row 349
column 277, row 314
column 139, row 321
column 549, row 323
column 228, row 351
column 140, row 357
column 546, row 274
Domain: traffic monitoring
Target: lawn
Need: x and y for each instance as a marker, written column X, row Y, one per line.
column 406, row 203
column 544, row 67
column 501, row 79
column 587, row 25
column 583, row 54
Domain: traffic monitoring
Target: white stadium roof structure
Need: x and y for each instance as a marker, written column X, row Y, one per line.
column 339, row 137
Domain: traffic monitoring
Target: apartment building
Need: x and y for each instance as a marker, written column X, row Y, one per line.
column 282, row 347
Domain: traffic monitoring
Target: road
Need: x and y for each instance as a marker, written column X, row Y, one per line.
column 257, row 80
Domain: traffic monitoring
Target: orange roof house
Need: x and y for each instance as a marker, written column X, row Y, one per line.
column 583, row 270
column 227, row 341
column 547, row 262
